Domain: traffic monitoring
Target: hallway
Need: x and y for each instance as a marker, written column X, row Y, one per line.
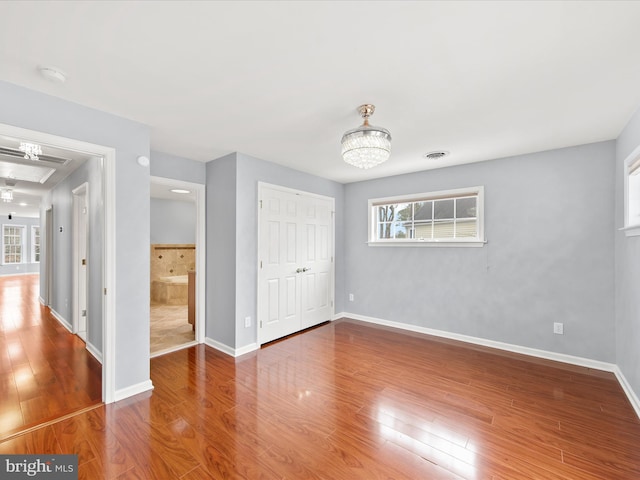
column 45, row 371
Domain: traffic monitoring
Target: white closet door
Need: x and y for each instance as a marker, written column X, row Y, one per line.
column 295, row 273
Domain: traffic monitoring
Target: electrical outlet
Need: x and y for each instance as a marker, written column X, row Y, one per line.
column 558, row 328
column 351, row 297
column 247, row 322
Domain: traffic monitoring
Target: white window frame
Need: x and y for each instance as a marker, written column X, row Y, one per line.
column 632, row 194
column 33, row 243
column 23, row 229
column 477, row 241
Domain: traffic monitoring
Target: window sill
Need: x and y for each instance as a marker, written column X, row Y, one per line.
column 431, row 243
column 631, row 230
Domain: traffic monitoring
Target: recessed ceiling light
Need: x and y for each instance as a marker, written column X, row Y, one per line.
column 180, row 190
column 22, row 204
column 53, row 74
column 436, row 154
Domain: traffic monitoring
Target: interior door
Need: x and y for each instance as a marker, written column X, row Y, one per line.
column 80, row 221
column 48, row 250
column 316, row 255
column 295, row 275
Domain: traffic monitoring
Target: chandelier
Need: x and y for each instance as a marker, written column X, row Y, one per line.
column 366, row 146
column 31, row 150
column 6, row 194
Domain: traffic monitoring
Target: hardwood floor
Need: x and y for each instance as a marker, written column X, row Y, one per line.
column 45, row 371
column 349, row 401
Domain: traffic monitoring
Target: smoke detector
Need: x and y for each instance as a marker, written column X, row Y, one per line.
column 53, row 74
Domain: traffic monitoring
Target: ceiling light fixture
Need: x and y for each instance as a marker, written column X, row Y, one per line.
column 180, row 190
column 31, row 150
column 6, row 194
column 366, row 146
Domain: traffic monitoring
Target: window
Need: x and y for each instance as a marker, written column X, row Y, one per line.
column 35, row 244
column 447, row 218
column 13, row 243
column 632, row 194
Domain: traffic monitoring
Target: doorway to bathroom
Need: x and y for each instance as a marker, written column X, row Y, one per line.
column 176, row 265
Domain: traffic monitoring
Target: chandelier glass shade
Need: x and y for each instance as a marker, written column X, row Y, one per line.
column 31, row 150
column 366, row 146
column 6, row 194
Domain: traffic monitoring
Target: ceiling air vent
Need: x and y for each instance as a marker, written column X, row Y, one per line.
column 436, row 155
column 10, row 152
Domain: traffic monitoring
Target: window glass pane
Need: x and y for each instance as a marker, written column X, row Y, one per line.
column 403, row 212
column 423, row 211
column 443, row 229
column 401, row 230
column 466, row 207
column 388, row 213
column 384, row 230
column 466, row 228
column 423, row 230
column 443, row 209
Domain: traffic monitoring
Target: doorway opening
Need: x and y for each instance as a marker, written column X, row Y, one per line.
column 177, row 265
column 54, row 231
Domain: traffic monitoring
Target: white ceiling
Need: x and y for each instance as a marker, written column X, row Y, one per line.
column 281, row 80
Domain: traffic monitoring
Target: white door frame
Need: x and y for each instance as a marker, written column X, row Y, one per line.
column 199, row 191
column 108, row 155
column 80, row 235
column 48, row 257
column 332, row 281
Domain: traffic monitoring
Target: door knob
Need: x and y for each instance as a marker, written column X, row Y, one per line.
column 299, row 270
column 305, row 269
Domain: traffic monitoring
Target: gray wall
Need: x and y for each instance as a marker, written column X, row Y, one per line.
column 129, row 139
column 232, row 253
column 61, row 197
column 177, row 168
column 548, row 257
column 173, row 221
column 627, row 250
column 221, row 250
column 27, row 267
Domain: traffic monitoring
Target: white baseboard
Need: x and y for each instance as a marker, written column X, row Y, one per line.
column 42, row 301
column 94, row 351
column 558, row 357
column 173, row 349
column 133, row 390
column 626, row 386
column 534, row 352
column 234, row 352
column 63, row 321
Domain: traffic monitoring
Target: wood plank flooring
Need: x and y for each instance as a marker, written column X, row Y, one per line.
column 348, row 401
column 45, row 371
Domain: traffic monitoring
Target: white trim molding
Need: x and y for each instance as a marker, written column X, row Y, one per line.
column 173, row 349
column 234, row 352
column 108, row 155
column 94, row 351
column 533, row 352
column 626, row 386
column 63, row 321
column 133, row 390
